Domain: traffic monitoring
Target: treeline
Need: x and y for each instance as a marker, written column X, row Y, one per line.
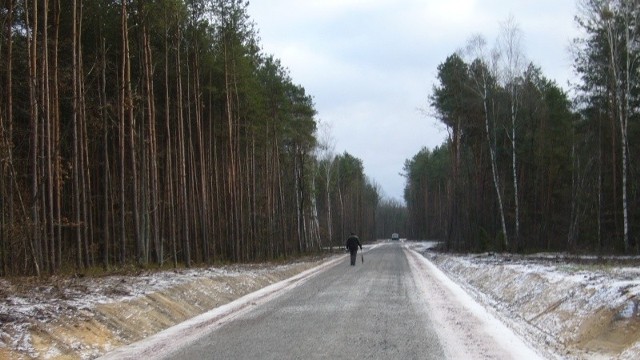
column 157, row 132
column 525, row 167
column 391, row 217
column 347, row 199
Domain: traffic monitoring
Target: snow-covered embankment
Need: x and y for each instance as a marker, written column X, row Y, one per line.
column 578, row 308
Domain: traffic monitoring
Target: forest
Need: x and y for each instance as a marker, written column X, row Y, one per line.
column 528, row 166
column 158, row 133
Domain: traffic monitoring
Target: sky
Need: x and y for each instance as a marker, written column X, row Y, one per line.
column 370, row 65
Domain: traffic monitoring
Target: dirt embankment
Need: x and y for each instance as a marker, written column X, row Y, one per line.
column 579, row 309
column 85, row 318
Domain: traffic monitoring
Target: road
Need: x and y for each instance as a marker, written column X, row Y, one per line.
column 395, row 305
column 368, row 311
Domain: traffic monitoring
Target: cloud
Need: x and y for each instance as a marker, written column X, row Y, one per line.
column 370, row 64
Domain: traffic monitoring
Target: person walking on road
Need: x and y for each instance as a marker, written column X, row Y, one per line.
column 352, row 245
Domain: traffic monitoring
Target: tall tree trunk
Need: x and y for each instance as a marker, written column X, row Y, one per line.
column 34, row 241
column 231, row 169
column 280, row 202
column 87, row 206
column 56, row 142
column 6, row 147
column 128, row 102
column 298, row 188
column 193, row 198
column 621, row 78
column 482, row 90
column 48, row 150
column 253, row 191
column 76, row 142
column 329, row 160
column 106, row 233
column 153, row 157
column 516, row 234
column 513, row 55
column 494, row 166
column 215, row 198
column 121, row 135
column 203, row 168
column 169, row 178
column 184, row 206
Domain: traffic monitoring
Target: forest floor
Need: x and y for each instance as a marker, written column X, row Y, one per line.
column 573, row 307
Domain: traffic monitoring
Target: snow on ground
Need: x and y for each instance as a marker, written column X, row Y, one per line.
column 575, row 307
column 467, row 330
column 563, row 306
column 182, row 334
column 86, row 317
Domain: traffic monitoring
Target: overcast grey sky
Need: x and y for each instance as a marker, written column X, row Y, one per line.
column 370, row 65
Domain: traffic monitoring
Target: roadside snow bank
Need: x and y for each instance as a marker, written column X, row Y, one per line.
column 576, row 308
column 466, row 329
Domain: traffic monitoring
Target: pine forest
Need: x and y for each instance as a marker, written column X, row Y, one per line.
column 528, row 166
column 158, row 133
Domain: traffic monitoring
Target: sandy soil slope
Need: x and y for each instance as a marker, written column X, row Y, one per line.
column 83, row 318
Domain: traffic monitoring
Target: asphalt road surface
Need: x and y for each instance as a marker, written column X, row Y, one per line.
column 369, row 311
column 395, row 305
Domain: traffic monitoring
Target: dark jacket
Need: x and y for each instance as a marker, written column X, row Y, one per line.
column 353, row 242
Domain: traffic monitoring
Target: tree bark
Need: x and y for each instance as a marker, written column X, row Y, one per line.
column 121, row 134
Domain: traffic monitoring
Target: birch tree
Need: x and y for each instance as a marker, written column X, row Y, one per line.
column 326, row 156
column 484, row 76
column 512, row 69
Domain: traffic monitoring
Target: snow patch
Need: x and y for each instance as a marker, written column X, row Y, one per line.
column 630, row 309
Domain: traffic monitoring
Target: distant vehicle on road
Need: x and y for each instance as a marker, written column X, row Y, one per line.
column 395, row 236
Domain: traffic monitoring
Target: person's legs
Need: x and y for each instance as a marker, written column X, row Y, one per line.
column 353, row 257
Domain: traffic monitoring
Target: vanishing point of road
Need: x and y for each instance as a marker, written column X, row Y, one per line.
column 392, row 305
column 369, row 311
